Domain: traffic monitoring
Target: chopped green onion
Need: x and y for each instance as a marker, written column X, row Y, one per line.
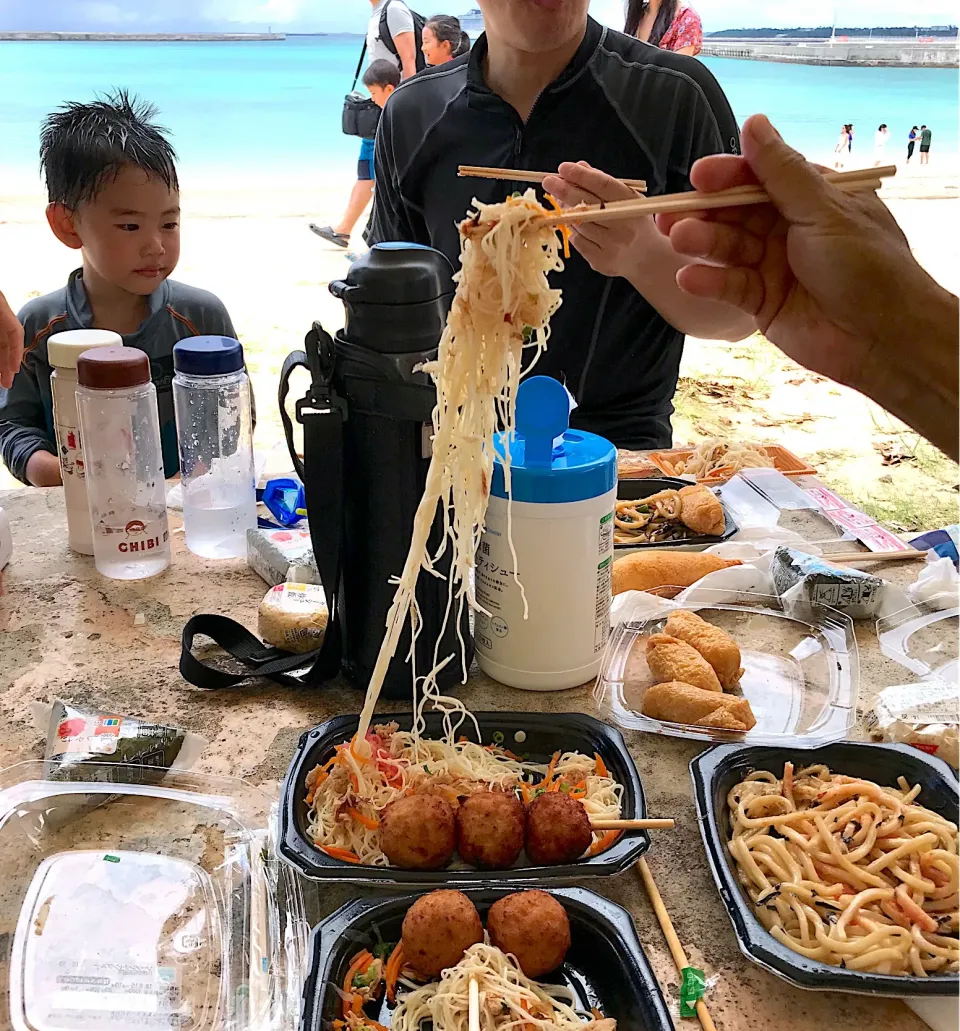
column 498, row 737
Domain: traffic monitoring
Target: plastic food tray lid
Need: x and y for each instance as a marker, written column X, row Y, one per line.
column 637, row 489
column 922, row 639
column 801, row 671
column 606, row 966
column 134, row 899
column 718, row 770
column 538, row 734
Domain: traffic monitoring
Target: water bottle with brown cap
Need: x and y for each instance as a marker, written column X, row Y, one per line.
column 124, row 463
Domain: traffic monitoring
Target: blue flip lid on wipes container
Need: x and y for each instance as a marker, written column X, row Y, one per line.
column 550, row 463
column 208, row 356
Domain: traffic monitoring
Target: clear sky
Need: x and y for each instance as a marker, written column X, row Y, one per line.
column 350, row 15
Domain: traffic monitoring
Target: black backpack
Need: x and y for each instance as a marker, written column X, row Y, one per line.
column 418, row 23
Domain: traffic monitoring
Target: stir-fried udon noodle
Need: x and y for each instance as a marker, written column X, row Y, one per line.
column 847, row 872
column 508, row 999
column 502, row 306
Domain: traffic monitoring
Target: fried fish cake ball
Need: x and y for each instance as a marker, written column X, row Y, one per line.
column 438, row 929
column 558, row 829
column 532, row 926
column 418, row 832
column 490, row 829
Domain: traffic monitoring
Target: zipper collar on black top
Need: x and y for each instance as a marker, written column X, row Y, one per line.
column 81, row 314
column 592, row 39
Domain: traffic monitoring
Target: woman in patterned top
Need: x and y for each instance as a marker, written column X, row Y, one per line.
column 668, row 24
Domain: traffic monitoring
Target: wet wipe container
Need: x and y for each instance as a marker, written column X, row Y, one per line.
column 558, row 510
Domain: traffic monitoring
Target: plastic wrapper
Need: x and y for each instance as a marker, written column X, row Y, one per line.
column 812, row 578
column 924, row 714
column 293, row 617
column 279, row 556
column 938, row 584
column 76, row 736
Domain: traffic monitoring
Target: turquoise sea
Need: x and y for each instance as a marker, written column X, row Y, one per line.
column 247, row 107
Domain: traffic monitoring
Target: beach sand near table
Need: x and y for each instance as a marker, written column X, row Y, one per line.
column 248, row 242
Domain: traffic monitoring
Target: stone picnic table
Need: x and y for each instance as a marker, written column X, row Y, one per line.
column 66, row 632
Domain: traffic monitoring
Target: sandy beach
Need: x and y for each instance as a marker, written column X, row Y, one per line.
column 247, row 240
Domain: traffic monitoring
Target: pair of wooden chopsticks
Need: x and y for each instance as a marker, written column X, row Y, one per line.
column 857, row 557
column 738, row 196
column 522, row 175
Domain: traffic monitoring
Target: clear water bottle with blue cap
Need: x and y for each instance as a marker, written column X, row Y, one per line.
column 544, row 563
column 211, row 396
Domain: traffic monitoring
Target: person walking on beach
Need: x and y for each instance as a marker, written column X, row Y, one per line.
column 912, row 142
column 667, row 24
column 443, row 40
column 926, row 135
column 391, row 36
column 842, row 147
column 880, row 141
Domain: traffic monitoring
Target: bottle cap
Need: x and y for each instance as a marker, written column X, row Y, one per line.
column 112, row 368
column 208, row 356
column 63, row 349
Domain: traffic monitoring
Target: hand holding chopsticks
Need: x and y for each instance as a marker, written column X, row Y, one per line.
column 740, row 196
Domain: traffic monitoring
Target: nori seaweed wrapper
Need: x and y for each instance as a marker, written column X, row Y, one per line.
column 857, row 594
column 80, row 737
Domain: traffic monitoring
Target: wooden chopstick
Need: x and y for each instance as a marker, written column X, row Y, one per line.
column 861, row 179
column 666, row 925
column 522, row 175
column 473, row 1006
column 631, row 825
column 907, row 555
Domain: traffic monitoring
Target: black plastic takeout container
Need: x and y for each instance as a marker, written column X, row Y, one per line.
column 715, row 772
column 606, row 966
column 638, row 489
column 545, row 733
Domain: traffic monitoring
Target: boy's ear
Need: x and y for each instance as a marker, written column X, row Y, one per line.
column 61, row 221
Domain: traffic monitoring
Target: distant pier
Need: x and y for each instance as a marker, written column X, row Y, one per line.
column 883, row 53
column 154, row 37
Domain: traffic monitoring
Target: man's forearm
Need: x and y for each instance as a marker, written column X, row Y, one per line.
column 655, row 277
column 921, row 388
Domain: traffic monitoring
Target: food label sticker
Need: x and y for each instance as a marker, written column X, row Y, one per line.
column 924, row 702
column 692, row 987
column 604, row 597
column 97, row 736
column 606, row 533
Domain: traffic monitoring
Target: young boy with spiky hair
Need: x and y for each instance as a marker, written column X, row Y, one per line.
column 113, row 195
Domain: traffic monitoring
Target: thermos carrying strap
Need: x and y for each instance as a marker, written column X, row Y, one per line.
column 322, row 414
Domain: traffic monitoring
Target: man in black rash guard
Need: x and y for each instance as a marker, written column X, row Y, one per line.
column 547, row 85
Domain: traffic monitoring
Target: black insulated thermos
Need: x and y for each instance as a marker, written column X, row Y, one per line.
column 365, row 385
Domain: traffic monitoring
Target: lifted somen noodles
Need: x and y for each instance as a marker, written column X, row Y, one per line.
column 847, row 872
column 502, row 304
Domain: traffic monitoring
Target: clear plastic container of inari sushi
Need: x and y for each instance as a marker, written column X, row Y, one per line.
column 798, row 671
